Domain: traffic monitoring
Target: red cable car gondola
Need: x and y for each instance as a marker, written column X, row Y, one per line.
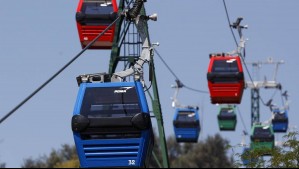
column 225, row 79
column 93, row 17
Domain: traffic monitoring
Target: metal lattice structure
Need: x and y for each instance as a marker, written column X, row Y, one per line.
column 255, row 87
column 255, row 106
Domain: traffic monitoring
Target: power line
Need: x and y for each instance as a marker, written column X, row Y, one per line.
column 57, row 73
column 176, row 77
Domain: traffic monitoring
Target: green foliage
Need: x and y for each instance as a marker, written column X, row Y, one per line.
column 73, row 163
column 65, row 157
column 2, row 165
column 286, row 156
column 211, row 153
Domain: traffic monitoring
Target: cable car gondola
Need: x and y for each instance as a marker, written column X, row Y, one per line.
column 93, row 17
column 112, row 126
column 262, row 138
column 246, row 157
column 225, row 79
column 186, row 125
column 227, row 118
column 280, row 121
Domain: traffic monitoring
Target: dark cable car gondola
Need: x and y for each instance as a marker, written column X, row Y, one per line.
column 225, row 79
column 112, row 125
column 227, row 118
column 280, row 121
column 246, row 157
column 93, row 17
column 262, row 138
column 186, row 125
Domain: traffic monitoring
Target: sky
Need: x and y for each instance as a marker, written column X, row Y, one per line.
column 39, row 37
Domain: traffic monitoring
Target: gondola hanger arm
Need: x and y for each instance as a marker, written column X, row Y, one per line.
column 147, row 48
column 241, row 46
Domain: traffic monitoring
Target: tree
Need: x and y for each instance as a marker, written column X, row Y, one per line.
column 206, row 154
column 211, row 153
column 286, row 156
column 66, row 157
column 2, row 165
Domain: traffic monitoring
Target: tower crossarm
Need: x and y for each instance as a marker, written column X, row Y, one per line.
column 263, row 84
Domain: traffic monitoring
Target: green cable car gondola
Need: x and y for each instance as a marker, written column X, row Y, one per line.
column 262, row 138
column 227, row 118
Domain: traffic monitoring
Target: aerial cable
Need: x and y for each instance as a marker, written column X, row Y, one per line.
column 274, row 94
column 263, row 102
column 229, row 22
column 269, row 103
column 195, row 90
column 242, row 56
column 57, row 73
column 127, row 26
column 171, row 71
column 285, row 94
column 176, row 77
column 242, row 120
column 282, row 100
column 247, row 70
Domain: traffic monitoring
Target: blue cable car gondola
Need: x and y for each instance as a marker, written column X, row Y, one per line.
column 246, row 157
column 186, row 125
column 280, row 121
column 112, row 125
